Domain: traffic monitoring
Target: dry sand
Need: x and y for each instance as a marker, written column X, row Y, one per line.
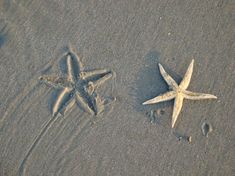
column 131, row 38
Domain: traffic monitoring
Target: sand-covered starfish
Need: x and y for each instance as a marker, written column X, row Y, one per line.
column 178, row 92
column 78, row 86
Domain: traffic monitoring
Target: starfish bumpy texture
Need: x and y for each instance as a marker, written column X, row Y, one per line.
column 178, row 92
column 78, row 86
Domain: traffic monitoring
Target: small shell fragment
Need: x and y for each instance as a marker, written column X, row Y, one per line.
column 189, row 139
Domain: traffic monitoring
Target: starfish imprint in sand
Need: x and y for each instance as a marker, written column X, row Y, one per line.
column 178, row 92
column 78, row 86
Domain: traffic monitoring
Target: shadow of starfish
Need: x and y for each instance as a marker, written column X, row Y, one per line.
column 78, row 86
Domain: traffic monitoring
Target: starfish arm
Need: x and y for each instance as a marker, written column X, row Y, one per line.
column 54, row 81
column 102, row 103
column 87, row 74
column 102, row 79
column 187, row 77
column 169, row 80
column 71, row 71
column 177, row 108
column 198, row 96
column 95, row 101
column 164, row 97
column 68, row 105
column 76, row 63
column 61, row 101
column 83, row 104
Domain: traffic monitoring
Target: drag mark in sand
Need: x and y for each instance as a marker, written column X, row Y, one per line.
column 35, row 142
column 79, row 86
column 178, row 92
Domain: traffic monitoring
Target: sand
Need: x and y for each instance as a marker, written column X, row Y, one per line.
column 130, row 38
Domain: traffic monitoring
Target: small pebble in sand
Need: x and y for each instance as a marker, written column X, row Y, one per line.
column 189, row 139
column 206, row 129
column 160, row 112
column 185, row 138
column 152, row 116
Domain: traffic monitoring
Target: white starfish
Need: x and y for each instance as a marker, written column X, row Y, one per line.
column 178, row 92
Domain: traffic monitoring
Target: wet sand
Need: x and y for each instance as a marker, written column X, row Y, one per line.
column 129, row 38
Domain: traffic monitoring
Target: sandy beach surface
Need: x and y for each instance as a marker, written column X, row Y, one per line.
column 129, row 38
